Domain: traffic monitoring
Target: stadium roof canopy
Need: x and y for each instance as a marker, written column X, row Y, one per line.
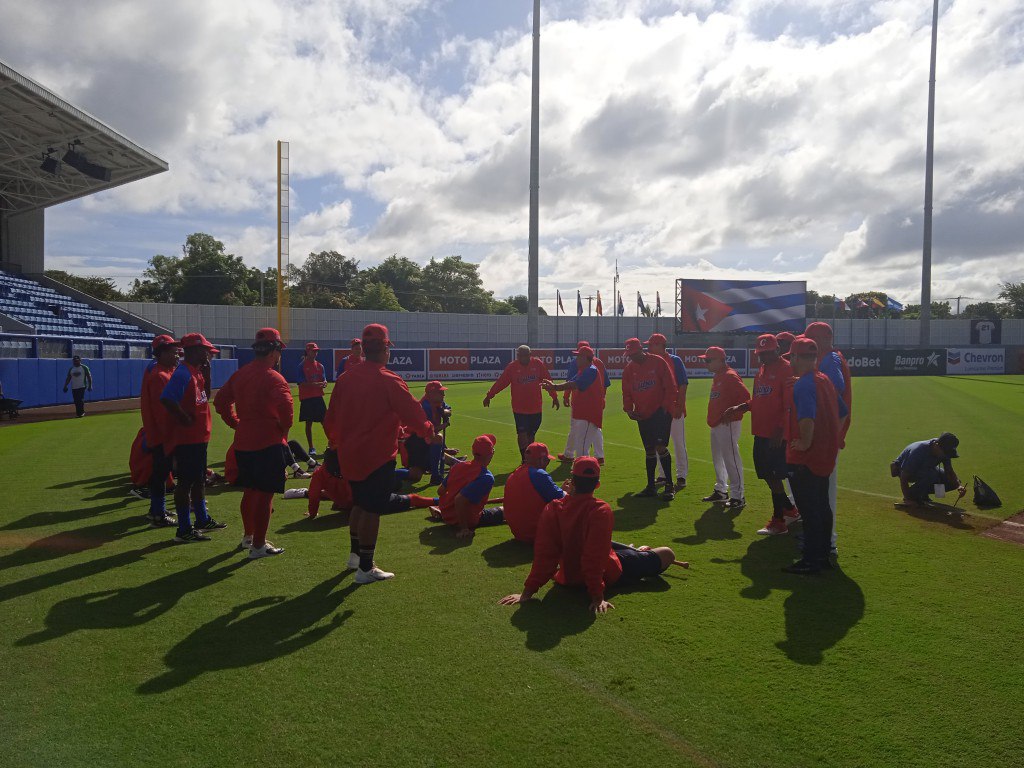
column 36, row 123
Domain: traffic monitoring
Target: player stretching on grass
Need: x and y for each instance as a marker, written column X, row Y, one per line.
column 257, row 403
column 525, row 374
column 423, row 456
column 464, row 492
column 156, row 424
column 574, row 545
column 727, row 390
column 312, row 383
column 527, row 491
column 368, row 404
column 648, row 397
column 187, row 397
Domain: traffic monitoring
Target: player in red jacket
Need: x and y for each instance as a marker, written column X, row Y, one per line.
column 813, row 433
column 727, row 390
column 767, row 424
column 368, row 404
column 524, row 374
column 312, row 383
column 527, row 491
column 156, row 423
column 354, row 358
column 574, row 545
column 463, row 494
column 257, row 403
column 588, row 401
column 187, row 397
column 648, row 397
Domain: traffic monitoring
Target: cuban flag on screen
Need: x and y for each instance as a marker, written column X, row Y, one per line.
column 756, row 306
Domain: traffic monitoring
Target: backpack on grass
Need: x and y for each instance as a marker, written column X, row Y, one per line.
column 984, row 496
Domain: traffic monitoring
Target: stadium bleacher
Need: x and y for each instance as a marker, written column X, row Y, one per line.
column 52, row 313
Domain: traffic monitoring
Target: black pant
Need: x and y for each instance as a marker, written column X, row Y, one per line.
column 810, row 492
column 79, row 396
column 296, row 453
column 161, row 467
column 924, row 484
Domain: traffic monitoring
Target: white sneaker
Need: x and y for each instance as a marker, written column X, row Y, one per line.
column 353, row 561
column 296, row 493
column 372, row 575
column 246, row 542
column 266, row 550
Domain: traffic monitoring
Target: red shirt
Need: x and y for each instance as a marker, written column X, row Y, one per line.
column 648, row 386
column 768, row 404
column 459, row 479
column 588, row 404
column 156, row 419
column 820, row 458
column 231, row 466
column 727, row 390
column 257, row 403
column 368, row 404
column 527, row 395
column 574, row 544
column 311, row 384
column 325, row 485
column 187, row 387
column 524, row 502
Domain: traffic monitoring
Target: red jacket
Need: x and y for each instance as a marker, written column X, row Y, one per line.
column 820, row 458
column 312, row 378
column 574, row 544
column 368, row 404
column 460, row 476
column 588, row 404
column 727, row 390
column 156, row 419
column 257, row 403
column 523, row 503
column 648, row 386
column 527, row 395
column 325, row 485
column 768, row 403
column 187, row 387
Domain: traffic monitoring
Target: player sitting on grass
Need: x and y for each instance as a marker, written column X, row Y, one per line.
column 336, row 489
column 464, row 492
column 917, row 467
column 420, row 456
column 527, row 491
column 574, row 545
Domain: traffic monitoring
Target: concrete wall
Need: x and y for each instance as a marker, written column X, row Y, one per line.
column 22, row 241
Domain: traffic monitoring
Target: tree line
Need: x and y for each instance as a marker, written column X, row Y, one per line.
column 1010, row 304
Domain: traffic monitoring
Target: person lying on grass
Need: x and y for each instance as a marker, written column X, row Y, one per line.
column 574, row 545
column 465, row 491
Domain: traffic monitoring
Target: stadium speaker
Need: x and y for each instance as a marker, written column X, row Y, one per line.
column 80, row 163
column 51, row 165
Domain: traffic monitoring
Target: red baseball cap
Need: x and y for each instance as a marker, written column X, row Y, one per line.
column 163, row 340
column 312, row 345
column 657, row 338
column 196, row 340
column 537, row 451
column 766, row 343
column 584, row 350
column 264, row 335
column 633, row 346
column 818, row 330
column 436, row 386
column 803, row 345
column 484, row 445
column 376, row 335
column 356, row 341
column 586, row 466
column 712, row 353
column 785, row 337
column 582, row 344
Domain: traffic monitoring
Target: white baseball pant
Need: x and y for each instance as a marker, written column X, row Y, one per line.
column 725, row 455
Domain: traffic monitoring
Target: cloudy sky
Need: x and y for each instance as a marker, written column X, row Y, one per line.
column 685, row 138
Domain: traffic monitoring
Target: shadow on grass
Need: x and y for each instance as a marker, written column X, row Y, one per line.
column 121, row 478
column 931, row 515
column 442, row 539
column 254, row 633
column 508, row 554
column 716, row 524
column 819, row 611
column 632, row 514
column 561, row 471
column 130, row 606
column 78, row 571
column 77, row 540
column 65, row 516
column 322, row 522
column 561, row 613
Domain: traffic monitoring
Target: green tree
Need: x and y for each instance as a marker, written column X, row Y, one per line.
column 521, row 305
column 940, row 311
column 209, row 275
column 457, row 286
column 160, row 280
column 377, row 296
column 406, row 279
column 1012, row 295
column 103, row 288
column 988, row 310
column 327, row 279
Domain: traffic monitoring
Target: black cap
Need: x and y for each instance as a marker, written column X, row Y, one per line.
column 948, row 442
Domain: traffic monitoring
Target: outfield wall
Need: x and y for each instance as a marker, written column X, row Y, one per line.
column 39, row 382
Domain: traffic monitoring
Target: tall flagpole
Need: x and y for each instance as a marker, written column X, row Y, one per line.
column 532, row 315
column 926, row 256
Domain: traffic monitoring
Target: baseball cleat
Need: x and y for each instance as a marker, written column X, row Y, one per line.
column 372, row 575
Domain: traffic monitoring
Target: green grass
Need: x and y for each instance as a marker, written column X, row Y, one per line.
column 121, row 649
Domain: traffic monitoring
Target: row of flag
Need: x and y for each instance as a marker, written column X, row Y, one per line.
column 873, row 302
column 642, row 307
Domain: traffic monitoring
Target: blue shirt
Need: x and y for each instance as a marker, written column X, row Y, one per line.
column 917, row 458
column 477, row 489
column 679, row 370
column 544, row 485
column 805, row 398
column 177, row 384
column 832, row 367
column 585, row 378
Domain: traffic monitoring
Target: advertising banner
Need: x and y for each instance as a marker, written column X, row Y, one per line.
column 614, row 361
column 868, row 362
column 467, row 364
column 557, row 361
column 410, row 364
column 916, row 362
column 696, row 368
column 966, row 361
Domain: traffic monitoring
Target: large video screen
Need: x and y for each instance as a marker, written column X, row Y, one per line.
column 742, row 306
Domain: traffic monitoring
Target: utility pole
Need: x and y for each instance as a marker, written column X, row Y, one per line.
column 533, row 280
column 926, row 255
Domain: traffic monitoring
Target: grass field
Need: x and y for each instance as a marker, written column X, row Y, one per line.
column 118, row 648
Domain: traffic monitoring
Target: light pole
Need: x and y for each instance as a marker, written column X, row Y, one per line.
column 926, row 255
column 533, row 280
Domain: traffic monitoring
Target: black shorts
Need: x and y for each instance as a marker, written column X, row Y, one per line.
column 262, row 470
column 418, row 452
column 656, row 429
column 190, row 462
column 636, row 565
column 374, row 493
column 770, row 460
column 527, row 422
column 312, row 409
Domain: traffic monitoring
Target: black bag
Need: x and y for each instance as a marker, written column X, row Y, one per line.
column 984, row 496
